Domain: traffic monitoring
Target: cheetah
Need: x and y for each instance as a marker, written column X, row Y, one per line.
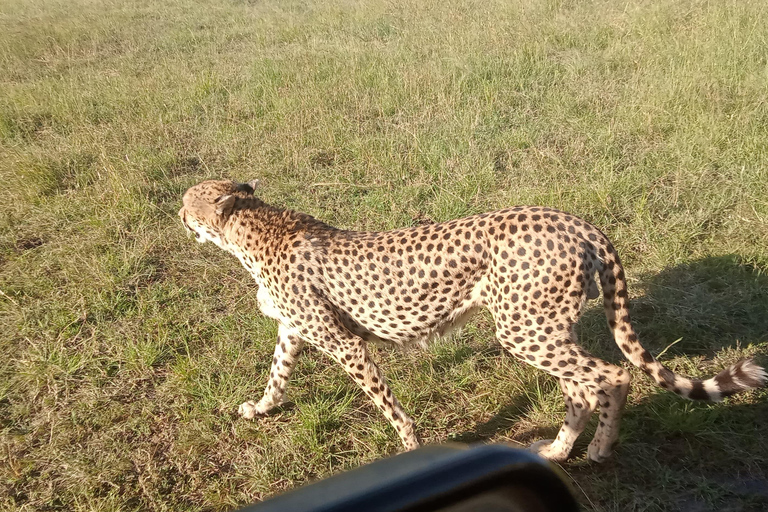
column 533, row 268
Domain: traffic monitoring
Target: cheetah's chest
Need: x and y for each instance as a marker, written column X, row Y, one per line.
column 267, row 303
column 263, row 296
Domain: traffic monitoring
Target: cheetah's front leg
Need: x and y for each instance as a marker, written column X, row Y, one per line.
column 359, row 365
column 351, row 352
column 286, row 352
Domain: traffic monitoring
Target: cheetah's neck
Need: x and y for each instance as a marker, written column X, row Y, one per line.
column 257, row 233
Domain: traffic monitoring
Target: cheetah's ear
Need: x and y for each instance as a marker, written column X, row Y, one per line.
column 249, row 187
column 224, row 205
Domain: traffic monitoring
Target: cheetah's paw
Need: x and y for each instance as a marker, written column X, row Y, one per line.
column 598, row 452
column 250, row 410
column 549, row 449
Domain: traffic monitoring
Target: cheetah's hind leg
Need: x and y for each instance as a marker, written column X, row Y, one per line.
column 580, row 402
column 586, row 381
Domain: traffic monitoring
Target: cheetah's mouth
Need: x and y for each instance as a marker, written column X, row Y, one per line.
column 192, row 232
column 186, row 226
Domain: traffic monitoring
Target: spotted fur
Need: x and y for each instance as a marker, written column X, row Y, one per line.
column 533, row 268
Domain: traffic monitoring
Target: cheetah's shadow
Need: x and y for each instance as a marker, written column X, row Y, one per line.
column 711, row 306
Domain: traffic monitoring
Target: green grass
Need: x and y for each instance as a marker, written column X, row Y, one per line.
column 127, row 346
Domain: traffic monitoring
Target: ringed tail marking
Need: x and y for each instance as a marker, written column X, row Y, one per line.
column 742, row 376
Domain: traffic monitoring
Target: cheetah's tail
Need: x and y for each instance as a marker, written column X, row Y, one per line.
column 739, row 377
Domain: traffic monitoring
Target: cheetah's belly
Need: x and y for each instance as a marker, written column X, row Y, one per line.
column 416, row 332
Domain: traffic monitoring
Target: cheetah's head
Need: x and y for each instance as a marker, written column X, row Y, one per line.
column 207, row 207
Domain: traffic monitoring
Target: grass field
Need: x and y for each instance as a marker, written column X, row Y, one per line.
column 127, row 347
